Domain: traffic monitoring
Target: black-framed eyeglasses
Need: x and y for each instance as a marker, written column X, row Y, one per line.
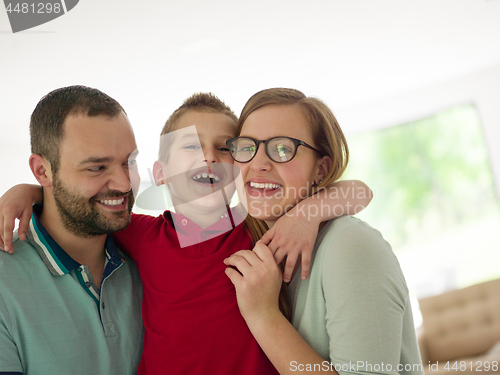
column 279, row 149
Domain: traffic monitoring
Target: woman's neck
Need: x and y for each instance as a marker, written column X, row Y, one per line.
column 270, row 223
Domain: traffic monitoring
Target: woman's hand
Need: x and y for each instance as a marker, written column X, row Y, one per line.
column 16, row 203
column 258, row 283
column 293, row 236
column 257, row 280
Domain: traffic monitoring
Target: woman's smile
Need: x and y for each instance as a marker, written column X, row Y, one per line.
column 273, row 188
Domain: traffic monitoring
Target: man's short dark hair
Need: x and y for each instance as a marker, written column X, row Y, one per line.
column 46, row 125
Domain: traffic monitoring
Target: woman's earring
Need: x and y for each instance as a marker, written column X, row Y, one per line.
column 316, row 184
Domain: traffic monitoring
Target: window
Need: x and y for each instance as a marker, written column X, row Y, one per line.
column 434, row 198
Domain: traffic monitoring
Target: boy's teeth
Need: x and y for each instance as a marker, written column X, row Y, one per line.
column 112, row 202
column 206, row 175
column 264, row 185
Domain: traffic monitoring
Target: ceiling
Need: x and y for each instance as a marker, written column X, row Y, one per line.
column 150, row 55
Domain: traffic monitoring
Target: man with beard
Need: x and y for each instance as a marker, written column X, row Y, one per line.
column 69, row 299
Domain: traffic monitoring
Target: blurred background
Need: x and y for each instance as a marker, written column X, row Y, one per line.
column 415, row 85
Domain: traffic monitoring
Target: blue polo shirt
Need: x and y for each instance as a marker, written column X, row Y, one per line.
column 54, row 319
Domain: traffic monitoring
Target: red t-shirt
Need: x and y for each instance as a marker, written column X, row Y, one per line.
column 190, row 313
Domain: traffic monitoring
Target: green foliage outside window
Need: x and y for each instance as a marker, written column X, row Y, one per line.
column 429, row 177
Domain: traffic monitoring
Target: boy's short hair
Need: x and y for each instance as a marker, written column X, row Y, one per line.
column 201, row 102
column 47, row 120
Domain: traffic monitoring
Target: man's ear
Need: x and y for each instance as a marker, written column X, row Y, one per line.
column 324, row 167
column 158, row 173
column 41, row 170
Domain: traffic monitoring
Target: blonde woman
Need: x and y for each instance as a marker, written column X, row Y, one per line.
column 353, row 313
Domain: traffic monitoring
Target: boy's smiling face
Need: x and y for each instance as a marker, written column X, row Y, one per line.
column 198, row 162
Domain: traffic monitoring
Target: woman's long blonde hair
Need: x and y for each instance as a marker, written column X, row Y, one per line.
column 327, row 136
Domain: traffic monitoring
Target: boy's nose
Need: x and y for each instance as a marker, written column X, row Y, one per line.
column 210, row 156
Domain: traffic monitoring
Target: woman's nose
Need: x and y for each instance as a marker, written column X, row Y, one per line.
column 261, row 161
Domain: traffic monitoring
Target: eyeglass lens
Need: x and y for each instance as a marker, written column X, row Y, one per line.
column 278, row 149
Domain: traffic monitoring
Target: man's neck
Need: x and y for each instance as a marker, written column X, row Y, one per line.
column 88, row 251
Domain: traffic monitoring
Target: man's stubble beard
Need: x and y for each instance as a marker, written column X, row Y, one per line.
column 81, row 216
